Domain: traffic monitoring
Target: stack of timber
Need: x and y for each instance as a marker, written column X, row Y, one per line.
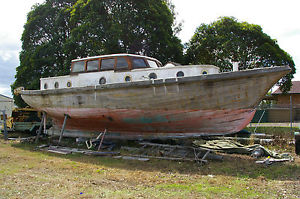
column 246, row 140
column 172, row 152
column 68, row 150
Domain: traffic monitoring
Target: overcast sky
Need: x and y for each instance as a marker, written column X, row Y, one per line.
column 279, row 19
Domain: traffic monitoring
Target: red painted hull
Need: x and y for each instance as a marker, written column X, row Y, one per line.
column 138, row 122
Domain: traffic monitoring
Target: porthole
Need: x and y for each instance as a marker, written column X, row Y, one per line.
column 204, row 72
column 102, row 80
column 127, row 78
column 180, row 74
column 69, row 84
column 56, row 85
column 152, row 76
column 45, row 86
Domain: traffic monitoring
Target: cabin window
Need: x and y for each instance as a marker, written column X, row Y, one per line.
column 152, row 76
column 107, row 64
column 180, row 74
column 102, row 80
column 69, row 84
column 56, row 85
column 45, row 86
column 122, row 63
column 92, row 65
column 127, row 78
column 152, row 64
column 78, row 67
column 204, row 73
column 138, row 63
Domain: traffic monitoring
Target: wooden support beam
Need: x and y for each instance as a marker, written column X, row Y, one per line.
column 63, row 128
column 102, row 140
column 40, row 128
column 45, row 122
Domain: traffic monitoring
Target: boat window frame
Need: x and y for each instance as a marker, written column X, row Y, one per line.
column 145, row 61
column 72, row 67
column 151, row 60
column 129, row 64
column 86, row 65
column 112, row 69
column 129, row 60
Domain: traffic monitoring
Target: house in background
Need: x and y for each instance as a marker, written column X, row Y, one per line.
column 286, row 105
column 290, row 98
column 7, row 104
column 280, row 107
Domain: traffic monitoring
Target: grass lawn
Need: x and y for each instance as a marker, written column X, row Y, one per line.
column 26, row 173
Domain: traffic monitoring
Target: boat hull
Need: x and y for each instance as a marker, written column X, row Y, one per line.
column 205, row 105
column 135, row 122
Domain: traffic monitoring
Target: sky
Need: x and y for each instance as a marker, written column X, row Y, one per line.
column 279, row 19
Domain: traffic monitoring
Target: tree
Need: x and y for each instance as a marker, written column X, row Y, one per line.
column 226, row 41
column 58, row 31
column 44, row 35
column 141, row 27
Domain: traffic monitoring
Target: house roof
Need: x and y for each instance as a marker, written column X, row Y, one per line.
column 5, row 96
column 295, row 89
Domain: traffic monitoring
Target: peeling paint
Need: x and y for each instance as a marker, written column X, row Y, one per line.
column 145, row 120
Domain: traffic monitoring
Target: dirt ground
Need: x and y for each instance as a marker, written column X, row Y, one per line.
column 28, row 173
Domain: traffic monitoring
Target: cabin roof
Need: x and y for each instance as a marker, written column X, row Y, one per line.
column 115, row 55
column 295, row 89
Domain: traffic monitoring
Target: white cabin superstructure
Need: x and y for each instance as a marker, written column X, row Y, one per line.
column 121, row 68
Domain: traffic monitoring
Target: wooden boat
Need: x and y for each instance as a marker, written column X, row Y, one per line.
column 135, row 95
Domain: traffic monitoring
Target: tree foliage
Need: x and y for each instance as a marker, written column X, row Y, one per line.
column 227, row 40
column 142, row 27
column 43, row 38
column 58, row 31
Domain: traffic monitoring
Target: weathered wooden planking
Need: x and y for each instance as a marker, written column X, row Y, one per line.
column 222, row 91
column 207, row 104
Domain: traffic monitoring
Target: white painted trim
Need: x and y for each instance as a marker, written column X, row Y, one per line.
column 114, row 55
column 113, row 77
